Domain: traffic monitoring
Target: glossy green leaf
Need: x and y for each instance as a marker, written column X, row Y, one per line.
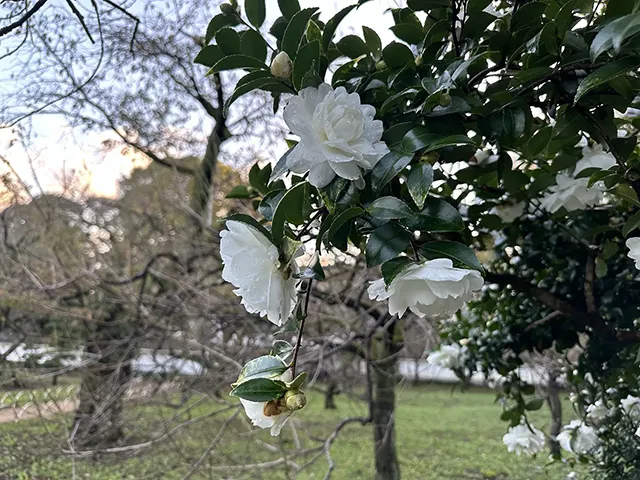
column 387, row 168
column 294, row 33
column 606, row 73
column 253, row 45
column 266, row 366
column 256, row 12
column 374, row 44
column 419, row 183
column 352, row 46
column 535, row 404
column 281, row 349
column 269, row 203
column 438, row 215
column 538, row 142
column 614, row 34
column 332, row 25
column 389, row 208
column 631, row 224
column 391, row 268
column 626, row 192
column 289, row 8
column 233, row 62
column 397, row 55
column 461, row 255
column 308, row 58
column 385, row 243
column 218, row 22
column 228, row 40
column 341, row 219
column 209, row 56
column 527, row 14
column 259, row 390
column 258, row 80
column 408, row 32
column 422, row 139
column 239, row 191
column 294, row 207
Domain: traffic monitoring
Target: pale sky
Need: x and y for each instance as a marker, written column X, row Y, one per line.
column 58, row 153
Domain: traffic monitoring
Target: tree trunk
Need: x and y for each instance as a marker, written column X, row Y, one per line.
column 329, row 400
column 98, row 419
column 555, row 405
column 204, row 190
column 383, row 403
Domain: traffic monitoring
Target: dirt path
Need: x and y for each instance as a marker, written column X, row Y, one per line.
column 14, row 415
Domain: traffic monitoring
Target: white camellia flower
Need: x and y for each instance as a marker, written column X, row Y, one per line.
column 507, row 212
column 631, row 406
column 633, row 244
column 524, row 440
column 428, row 288
column 257, row 411
column 578, row 438
column 597, row 412
column 574, row 193
column 447, row 356
column 338, row 135
column 251, row 264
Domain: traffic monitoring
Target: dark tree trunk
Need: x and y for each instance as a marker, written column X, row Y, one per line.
column 384, row 349
column 329, row 400
column 98, row 419
column 555, row 405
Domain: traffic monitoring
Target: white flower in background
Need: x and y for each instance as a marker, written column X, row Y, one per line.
column 595, row 157
column 574, row 193
column 251, row 265
column 631, row 112
column 638, row 432
column 482, row 157
column 597, row 412
column 633, row 244
column 447, row 356
column 631, row 406
column 509, row 212
column 338, row 135
column 281, row 66
column 578, row 438
column 273, row 414
column 571, row 476
column 428, row 288
column 524, row 440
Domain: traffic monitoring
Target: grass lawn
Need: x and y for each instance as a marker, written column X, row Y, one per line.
column 442, row 434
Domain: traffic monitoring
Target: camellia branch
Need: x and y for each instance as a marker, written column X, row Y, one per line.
column 296, row 349
column 22, row 20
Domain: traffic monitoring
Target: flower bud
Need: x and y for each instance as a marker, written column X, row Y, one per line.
column 226, row 8
column 281, row 66
column 381, row 65
column 295, row 400
column 419, row 61
column 445, row 100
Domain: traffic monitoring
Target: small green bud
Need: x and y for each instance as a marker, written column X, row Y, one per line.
column 281, row 66
column 445, row 100
column 295, row 400
column 430, row 158
column 381, row 65
column 419, row 61
column 227, row 8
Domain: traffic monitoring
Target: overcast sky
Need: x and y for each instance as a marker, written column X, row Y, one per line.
column 58, row 150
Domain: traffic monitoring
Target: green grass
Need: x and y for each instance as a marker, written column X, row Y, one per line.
column 441, row 435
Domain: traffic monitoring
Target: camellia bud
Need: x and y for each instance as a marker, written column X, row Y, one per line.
column 281, row 66
column 445, row 100
column 226, row 8
column 295, row 400
column 381, row 65
column 419, row 61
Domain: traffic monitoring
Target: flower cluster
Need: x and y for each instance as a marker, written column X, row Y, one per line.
column 524, row 440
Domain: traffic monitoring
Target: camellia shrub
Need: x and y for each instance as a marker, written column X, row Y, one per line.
column 501, row 126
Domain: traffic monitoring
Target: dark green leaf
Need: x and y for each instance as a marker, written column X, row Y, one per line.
column 408, row 32
column 209, row 56
column 389, row 208
column 386, row 242
column 258, row 80
column 239, row 191
column 289, row 8
column 253, row 45
column 437, row 216
column 259, row 390
column 294, row 207
column 228, row 40
column 397, row 55
column 563, row 18
column 352, row 46
column 527, row 14
column 295, row 31
column 538, row 142
column 281, row 166
column 627, row 193
column 513, row 122
column 308, row 57
column 218, row 22
column 332, row 25
column 614, row 34
column 387, row 168
column 256, row 12
column 341, row 219
column 267, row 366
column 233, row 62
column 391, row 268
column 258, row 177
column 605, row 74
column 601, row 268
column 461, row 255
column 426, row 5
column 373, row 42
column 514, row 180
column 269, row 203
column 421, row 139
column 535, row 404
column 631, row 224
column 419, row 183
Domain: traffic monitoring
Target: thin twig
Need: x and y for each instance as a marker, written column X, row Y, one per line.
column 304, row 317
column 18, row 23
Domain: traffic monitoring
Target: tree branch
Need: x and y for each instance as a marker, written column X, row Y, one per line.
column 21, row 21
